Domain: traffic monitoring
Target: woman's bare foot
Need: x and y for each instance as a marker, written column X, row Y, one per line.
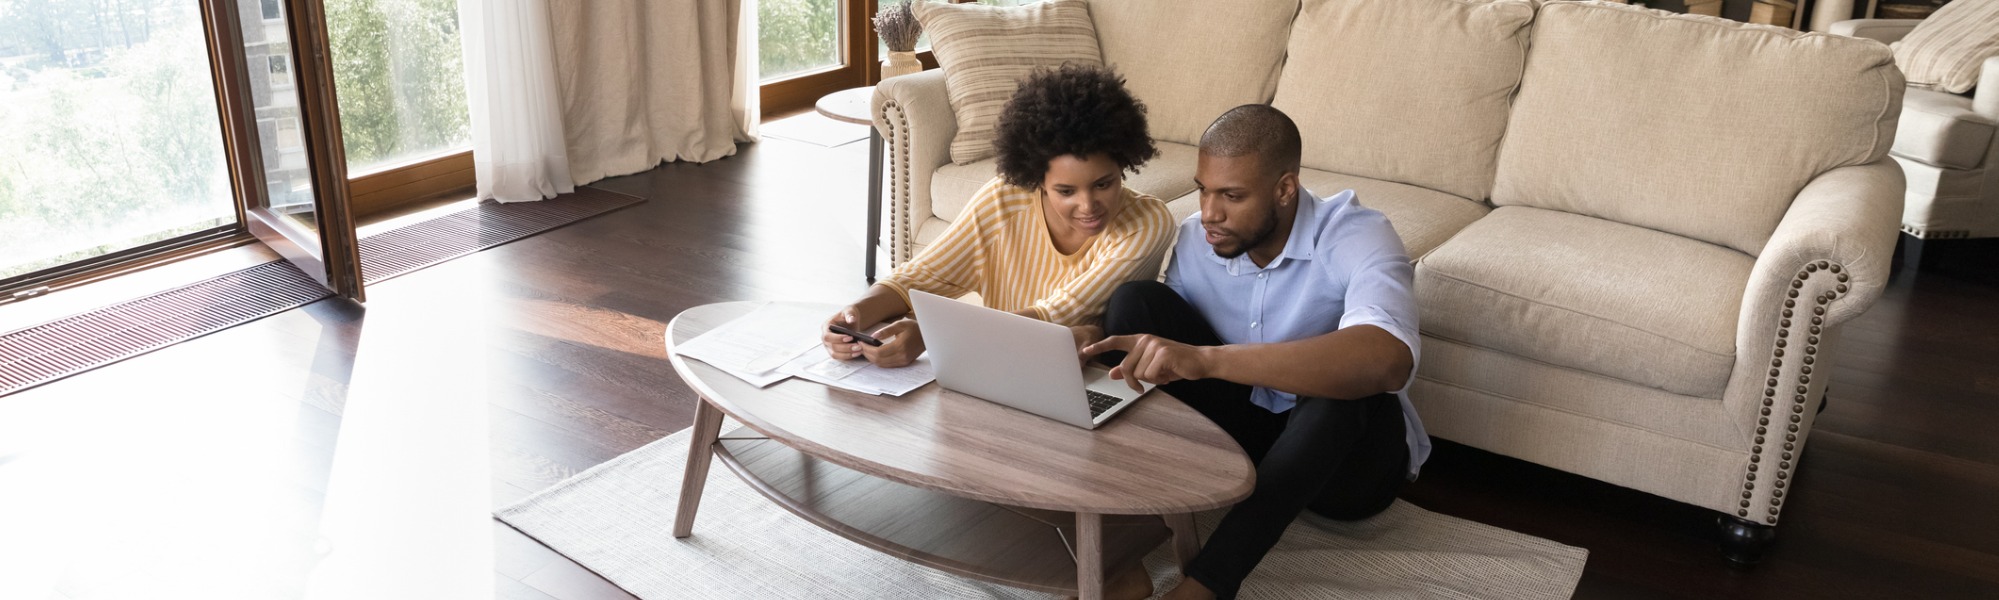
column 1130, row 584
column 1189, row 589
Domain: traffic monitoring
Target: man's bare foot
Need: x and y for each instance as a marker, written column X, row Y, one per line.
column 1189, row 589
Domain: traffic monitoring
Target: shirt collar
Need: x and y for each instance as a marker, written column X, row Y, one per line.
column 1304, row 240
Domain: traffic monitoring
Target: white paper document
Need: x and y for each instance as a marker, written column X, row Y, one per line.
column 753, row 347
column 859, row 375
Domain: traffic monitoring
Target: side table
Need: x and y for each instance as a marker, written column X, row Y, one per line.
column 852, row 106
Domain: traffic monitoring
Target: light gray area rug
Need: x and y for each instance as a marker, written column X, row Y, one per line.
column 617, row 520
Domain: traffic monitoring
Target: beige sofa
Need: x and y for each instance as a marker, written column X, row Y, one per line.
column 1637, row 234
column 1948, row 144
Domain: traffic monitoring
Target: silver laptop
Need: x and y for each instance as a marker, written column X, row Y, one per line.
column 1017, row 361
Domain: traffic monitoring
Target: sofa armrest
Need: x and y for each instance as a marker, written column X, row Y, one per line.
column 1826, row 263
column 1985, row 99
column 1886, row 31
column 913, row 114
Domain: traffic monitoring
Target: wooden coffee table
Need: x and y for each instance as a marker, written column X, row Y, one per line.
column 957, row 483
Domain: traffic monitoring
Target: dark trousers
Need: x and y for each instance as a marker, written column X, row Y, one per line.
column 1343, row 459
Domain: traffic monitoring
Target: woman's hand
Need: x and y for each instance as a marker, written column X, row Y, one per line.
column 842, row 347
column 902, row 342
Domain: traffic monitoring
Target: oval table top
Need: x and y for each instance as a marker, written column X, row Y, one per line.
column 1159, row 456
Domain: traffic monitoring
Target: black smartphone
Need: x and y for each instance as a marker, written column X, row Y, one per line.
column 858, row 336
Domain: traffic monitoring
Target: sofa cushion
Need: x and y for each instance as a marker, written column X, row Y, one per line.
column 1940, row 129
column 1168, row 175
column 1616, row 300
column 1708, row 132
column 986, row 50
column 1423, row 217
column 1414, row 91
column 1186, row 85
column 1945, row 51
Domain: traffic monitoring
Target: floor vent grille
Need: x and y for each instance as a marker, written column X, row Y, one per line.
column 71, row 345
column 432, row 241
column 58, row 349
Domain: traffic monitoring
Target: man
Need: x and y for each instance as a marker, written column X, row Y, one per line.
column 1289, row 321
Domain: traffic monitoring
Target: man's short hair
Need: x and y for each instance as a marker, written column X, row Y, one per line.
column 1259, row 130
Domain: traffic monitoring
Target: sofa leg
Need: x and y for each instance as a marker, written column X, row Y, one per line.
column 1743, row 542
column 1909, row 254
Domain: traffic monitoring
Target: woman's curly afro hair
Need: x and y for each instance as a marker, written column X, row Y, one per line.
column 1077, row 110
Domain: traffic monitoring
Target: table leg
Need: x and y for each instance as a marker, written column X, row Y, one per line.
column 1186, row 541
column 1089, row 556
column 875, row 147
column 700, row 452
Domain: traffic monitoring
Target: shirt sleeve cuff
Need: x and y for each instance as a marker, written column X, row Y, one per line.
column 1370, row 315
column 1040, row 313
column 899, row 291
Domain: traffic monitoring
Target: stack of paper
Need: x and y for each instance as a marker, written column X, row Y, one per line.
column 860, row 375
column 753, row 346
column 778, row 341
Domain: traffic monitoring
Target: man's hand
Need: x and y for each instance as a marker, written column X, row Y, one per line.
column 902, row 342
column 1153, row 359
column 1085, row 335
column 841, row 347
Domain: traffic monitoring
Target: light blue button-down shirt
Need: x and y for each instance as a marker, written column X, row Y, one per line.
column 1343, row 266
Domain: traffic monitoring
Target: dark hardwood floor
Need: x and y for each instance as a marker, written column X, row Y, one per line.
column 342, row 451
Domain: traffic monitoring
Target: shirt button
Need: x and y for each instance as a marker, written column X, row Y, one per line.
column 1260, row 275
column 1252, row 324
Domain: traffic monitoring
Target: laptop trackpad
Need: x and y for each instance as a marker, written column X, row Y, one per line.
column 1098, row 379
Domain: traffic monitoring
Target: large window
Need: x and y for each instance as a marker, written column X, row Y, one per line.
column 109, row 134
column 809, row 48
column 797, row 36
column 401, row 80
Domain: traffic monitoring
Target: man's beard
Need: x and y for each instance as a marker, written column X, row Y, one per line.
column 1262, row 235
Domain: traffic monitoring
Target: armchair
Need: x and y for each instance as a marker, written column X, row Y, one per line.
column 1948, row 145
column 913, row 115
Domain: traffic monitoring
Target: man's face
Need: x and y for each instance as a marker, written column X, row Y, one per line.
column 1239, row 201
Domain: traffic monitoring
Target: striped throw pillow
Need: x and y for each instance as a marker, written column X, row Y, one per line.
column 1945, row 51
column 986, row 50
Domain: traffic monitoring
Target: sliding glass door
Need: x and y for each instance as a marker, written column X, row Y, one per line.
column 109, row 136
column 135, row 128
column 284, row 123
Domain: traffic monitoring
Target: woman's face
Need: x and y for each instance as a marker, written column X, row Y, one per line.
column 1084, row 192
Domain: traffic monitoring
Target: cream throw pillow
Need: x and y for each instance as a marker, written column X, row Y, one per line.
column 986, row 50
column 1186, row 85
column 1409, row 91
column 1945, row 51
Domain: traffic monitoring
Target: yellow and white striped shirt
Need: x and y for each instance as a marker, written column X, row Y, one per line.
column 1000, row 247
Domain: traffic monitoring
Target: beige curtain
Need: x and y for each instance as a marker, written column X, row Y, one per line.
column 647, row 81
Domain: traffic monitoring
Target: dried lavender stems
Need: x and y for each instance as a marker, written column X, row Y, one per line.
column 897, row 26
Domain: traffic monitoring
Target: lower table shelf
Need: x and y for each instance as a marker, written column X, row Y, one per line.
column 1020, row 547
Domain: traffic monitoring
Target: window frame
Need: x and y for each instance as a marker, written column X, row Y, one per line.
column 860, row 65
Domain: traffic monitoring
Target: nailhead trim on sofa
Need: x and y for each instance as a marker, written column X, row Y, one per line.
column 902, row 241
column 1802, row 391
column 1936, row 234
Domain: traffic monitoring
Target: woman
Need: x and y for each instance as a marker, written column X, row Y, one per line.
column 1051, row 236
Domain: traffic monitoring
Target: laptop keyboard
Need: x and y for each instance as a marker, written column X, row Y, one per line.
column 1100, row 402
